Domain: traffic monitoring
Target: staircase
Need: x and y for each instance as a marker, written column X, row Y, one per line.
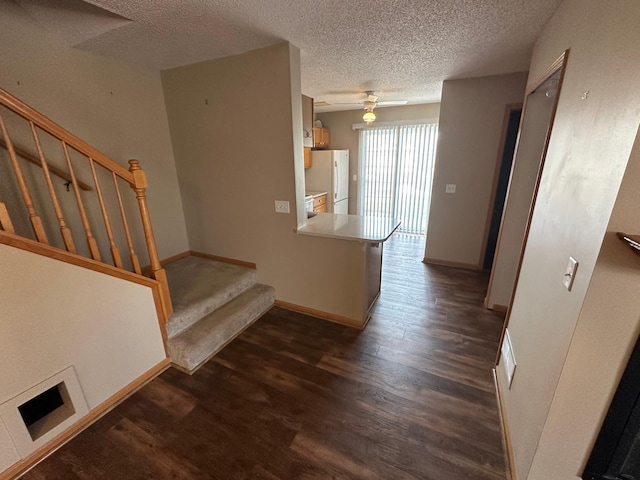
column 99, row 219
column 212, row 303
column 90, row 227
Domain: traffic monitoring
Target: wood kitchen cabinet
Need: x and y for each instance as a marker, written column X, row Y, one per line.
column 320, row 203
column 321, row 137
column 307, row 157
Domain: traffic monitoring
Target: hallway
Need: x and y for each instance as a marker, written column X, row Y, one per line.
column 292, row 397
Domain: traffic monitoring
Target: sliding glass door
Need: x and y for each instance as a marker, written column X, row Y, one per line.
column 396, row 172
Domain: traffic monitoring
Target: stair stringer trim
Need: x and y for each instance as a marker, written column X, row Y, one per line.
column 38, row 248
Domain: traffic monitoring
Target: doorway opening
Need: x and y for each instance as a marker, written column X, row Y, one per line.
column 535, row 131
column 501, row 182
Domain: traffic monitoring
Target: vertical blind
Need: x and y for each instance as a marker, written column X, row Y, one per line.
column 396, row 173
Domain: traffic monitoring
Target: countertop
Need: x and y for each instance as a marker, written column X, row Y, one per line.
column 350, row 227
column 309, row 195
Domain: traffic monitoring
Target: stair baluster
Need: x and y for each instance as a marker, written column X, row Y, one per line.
column 67, row 237
column 36, row 221
column 52, row 169
column 91, row 240
column 41, row 157
column 115, row 253
column 5, row 220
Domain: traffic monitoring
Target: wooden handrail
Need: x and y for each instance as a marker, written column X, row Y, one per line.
column 49, row 126
column 134, row 176
column 55, row 170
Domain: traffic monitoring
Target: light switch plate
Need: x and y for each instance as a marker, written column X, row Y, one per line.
column 570, row 273
column 282, row 206
column 507, row 358
column 450, row 188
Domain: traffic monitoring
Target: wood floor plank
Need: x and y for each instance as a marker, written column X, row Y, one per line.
column 162, row 462
column 174, row 400
column 295, row 397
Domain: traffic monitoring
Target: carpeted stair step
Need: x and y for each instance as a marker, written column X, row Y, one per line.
column 199, row 286
column 194, row 346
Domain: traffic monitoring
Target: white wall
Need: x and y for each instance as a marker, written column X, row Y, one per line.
column 471, row 120
column 344, row 137
column 239, row 153
column 570, row 344
column 604, row 337
column 116, row 107
column 56, row 315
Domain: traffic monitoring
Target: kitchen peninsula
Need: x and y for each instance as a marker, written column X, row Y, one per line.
column 371, row 233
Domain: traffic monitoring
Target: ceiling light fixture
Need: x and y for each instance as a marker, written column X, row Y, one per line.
column 369, row 117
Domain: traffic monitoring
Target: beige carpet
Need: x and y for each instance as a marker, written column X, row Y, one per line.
column 213, row 302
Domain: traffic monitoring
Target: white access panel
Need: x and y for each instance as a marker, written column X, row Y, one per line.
column 8, row 452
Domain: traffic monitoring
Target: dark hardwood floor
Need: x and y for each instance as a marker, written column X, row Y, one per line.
column 294, row 397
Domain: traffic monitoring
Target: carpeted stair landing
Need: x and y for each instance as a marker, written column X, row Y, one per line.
column 212, row 302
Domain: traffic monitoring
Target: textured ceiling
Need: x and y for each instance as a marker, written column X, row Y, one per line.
column 401, row 49
column 74, row 20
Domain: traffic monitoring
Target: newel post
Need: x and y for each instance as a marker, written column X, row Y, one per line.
column 157, row 272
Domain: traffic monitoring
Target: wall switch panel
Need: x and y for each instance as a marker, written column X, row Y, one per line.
column 570, row 273
column 282, row 206
column 450, row 188
column 507, row 359
column 355, row 177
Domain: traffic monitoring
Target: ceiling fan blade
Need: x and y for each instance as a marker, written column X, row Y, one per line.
column 392, row 102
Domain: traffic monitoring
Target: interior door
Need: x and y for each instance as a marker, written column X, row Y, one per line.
column 536, row 127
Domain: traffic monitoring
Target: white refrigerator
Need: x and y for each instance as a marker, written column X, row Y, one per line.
column 329, row 172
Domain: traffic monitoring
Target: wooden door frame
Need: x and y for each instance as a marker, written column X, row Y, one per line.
column 560, row 65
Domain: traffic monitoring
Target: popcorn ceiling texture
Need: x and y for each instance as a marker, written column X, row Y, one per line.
column 401, row 49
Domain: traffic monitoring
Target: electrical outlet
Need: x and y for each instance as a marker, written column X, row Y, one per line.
column 450, row 188
column 355, row 177
column 282, row 206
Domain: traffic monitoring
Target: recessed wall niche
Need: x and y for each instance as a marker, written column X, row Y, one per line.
column 45, row 410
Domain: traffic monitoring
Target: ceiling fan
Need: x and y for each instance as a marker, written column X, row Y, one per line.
column 371, row 102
